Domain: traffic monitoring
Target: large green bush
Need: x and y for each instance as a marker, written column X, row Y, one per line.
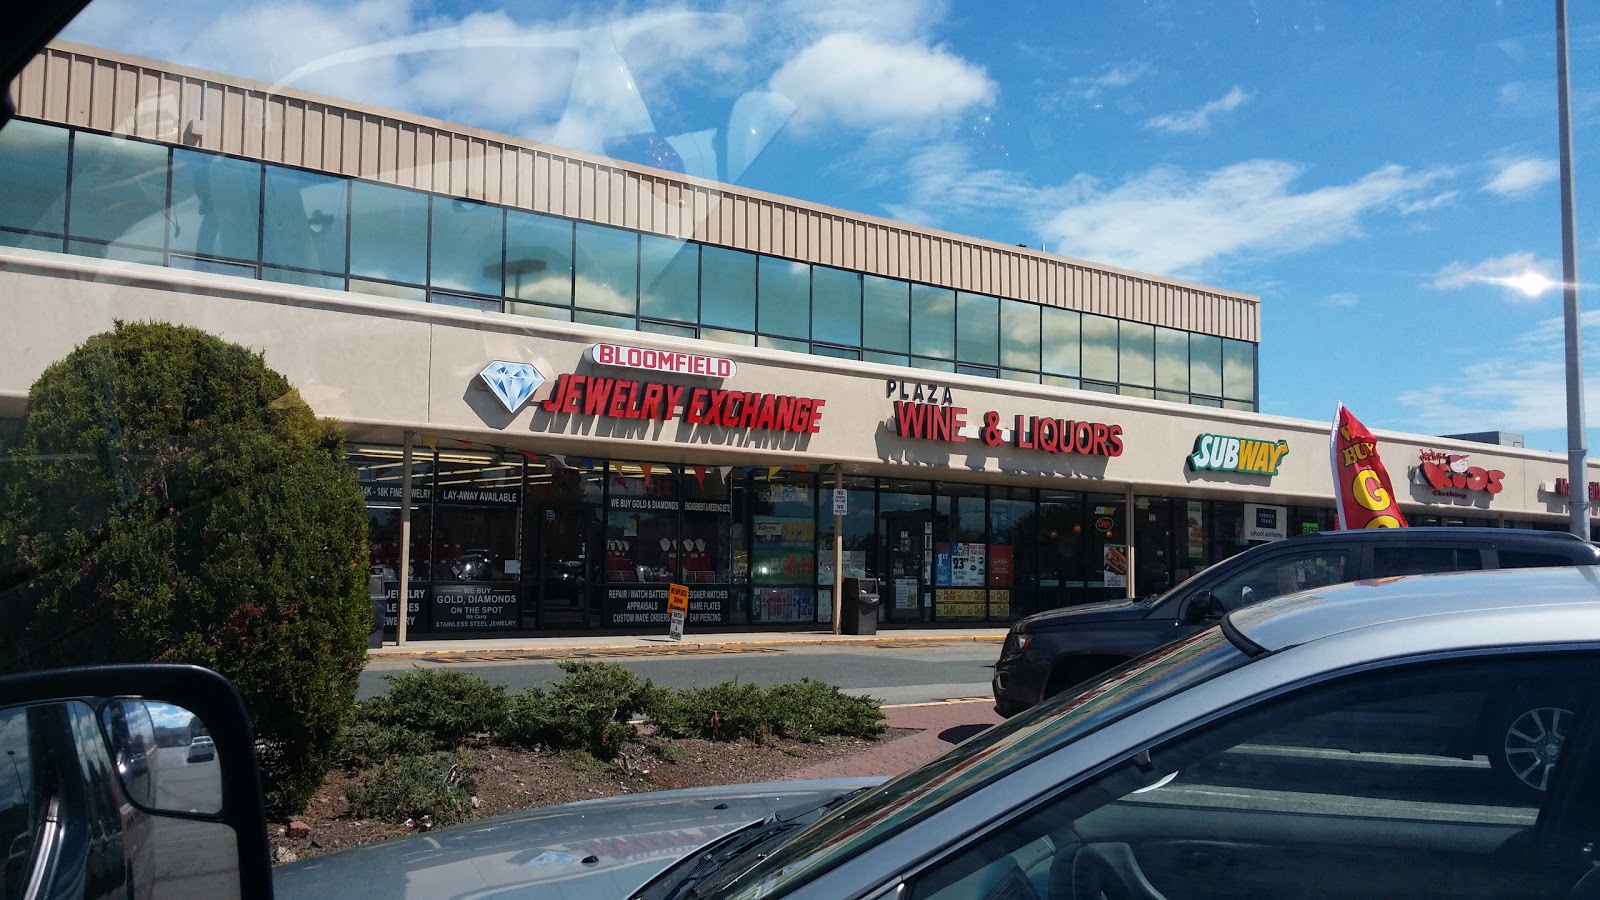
column 587, row 710
column 171, row 498
column 804, row 710
column 446, row 705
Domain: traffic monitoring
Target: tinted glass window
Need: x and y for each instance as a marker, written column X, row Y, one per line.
column 885, row 311
column 1283, row 574
column 669, row 278
column 33, row 177
column 119, row 190
column 466, row 246
column 1059, row 340
column 1205, row 364
column 607, row 270
column 836, row 306
column 1172, row 361
column 216, row 205
column 978, row 329
column 1238, row 370
column 933, row 321
column 1388, row 562
column 1136, row 363
column 538, row 258
column 388, row 233
column 727, row 289
column 784, row 293
column 1304, row 795
column 1531, row 559
column 304, row 220
column 1100, row 348
column 1019, row 335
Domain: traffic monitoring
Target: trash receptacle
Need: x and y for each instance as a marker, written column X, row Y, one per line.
column 859, row 613
column 375, row 591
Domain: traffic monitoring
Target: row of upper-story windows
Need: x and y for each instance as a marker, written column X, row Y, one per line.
column 98, row 195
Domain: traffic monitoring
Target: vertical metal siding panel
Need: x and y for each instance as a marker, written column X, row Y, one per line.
column 315, row 140
column 103, row 96
column 232, row 120
column 450, row 177
column 405, row 154
column 294, row 131
column 495, row 173
column 272, row 128
column 338, row 151
column 538, row 187
column 522, row 162
column 125, row 103
column 80, row 82
column 388, row 153
column 616, row 187
column 255, row 117
column 166, row 91
column 58, row 88
column 477, row 168
column 441, row 171
column 572, row 176
column 27, row 89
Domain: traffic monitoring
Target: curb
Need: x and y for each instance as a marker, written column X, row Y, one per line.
column 808, row 642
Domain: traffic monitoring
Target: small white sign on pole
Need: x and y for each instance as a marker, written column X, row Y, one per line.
column 841, row 502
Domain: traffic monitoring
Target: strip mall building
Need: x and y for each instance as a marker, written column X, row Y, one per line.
column 617, row 377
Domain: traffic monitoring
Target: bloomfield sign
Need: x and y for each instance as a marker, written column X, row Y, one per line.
column 662, row 361
column 621, row 398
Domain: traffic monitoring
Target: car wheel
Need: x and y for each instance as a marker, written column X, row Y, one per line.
column 1525, row 738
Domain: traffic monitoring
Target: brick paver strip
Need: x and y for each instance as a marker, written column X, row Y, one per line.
column 940, row 727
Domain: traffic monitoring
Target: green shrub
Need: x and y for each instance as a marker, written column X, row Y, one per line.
column 588, row 710
column 809, row 709
column 446, row 705
column 170, row 498
column 726, row 711
column 366, row 743
column 437, row 785
column 804, row 710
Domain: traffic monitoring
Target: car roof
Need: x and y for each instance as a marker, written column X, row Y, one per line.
column 1543, row 605
column 1454, row 532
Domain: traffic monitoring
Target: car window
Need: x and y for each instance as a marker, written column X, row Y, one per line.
column 1283, row 574
column 1532, row 559
column 1404, row 782
column 19, row 811
column 1389, row 562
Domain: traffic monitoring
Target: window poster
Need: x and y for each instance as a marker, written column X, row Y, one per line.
column 783, row 604
column 474, row 607
column 855, row 565
column 960, row 603
column 905, row 593
column 1116, row 566
column 960, row 565
column 1001, row 565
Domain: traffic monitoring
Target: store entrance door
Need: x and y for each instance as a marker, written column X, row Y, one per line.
column 568, row 556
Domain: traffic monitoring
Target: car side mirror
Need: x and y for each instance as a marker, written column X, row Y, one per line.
column 170, row 745
column 1201, row 607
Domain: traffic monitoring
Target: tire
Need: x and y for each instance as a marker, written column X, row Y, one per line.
column 1523, row 740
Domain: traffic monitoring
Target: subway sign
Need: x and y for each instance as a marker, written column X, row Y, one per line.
column 1221, row 453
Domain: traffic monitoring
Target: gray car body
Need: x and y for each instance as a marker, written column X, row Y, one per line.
column 1296, row 640
column 543, row 852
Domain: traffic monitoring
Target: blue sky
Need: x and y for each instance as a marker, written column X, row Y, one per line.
column 1375, row 172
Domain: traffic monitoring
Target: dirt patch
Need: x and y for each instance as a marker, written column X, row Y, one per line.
column 511, row 779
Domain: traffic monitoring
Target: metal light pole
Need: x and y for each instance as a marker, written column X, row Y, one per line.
column 1577, row 452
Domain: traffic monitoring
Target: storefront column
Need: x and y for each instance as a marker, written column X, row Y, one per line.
column 1128, row 539
column 838, row 552
column 405, row 542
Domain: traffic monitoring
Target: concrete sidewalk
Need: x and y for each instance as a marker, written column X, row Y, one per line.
column 585, row 643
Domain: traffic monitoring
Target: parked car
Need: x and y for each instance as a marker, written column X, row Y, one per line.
column 202, row 748
column 1049, row 652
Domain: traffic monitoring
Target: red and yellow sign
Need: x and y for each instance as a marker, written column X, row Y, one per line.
column 1360, row 482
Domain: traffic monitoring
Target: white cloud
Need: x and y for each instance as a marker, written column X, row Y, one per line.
column 1166, row 221
column 887, row 19
column 1518, row 177
column 1428, row 204
column 1090, row 87
column 1521, row 390
column 1522, row 275
column 1198, row 121
column 1341, row 300
column 861, row 81
column 942, row 184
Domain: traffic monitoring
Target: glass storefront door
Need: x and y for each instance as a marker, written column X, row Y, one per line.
column 905, row 535
column 568, row 552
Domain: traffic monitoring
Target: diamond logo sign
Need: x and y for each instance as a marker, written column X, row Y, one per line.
column 512, row 382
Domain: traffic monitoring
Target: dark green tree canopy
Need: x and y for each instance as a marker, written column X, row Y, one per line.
column 170, row 498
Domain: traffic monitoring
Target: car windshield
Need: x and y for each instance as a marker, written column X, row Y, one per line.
column 874, row 815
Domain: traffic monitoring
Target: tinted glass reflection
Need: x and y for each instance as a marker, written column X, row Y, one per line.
column 388, row 233
column 1205, row 364
column 538, row 258
column 784, row 297
column 216, row 205
column 33, row 177
column 1172, row 360
column 607, row 269
column 978, row 334
column 119, row 190
column 1238, row 370
column 836, row 306
column 933, row 321
column 1019, row 335
column 1137, row 363
column 669, row 278
column 466, row 246
column 886, row 313
column 1059, row 341
column 727, row 288
column 304, row 220
column 1100, row 348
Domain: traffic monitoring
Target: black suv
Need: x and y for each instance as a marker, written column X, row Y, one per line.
column 1049, row 652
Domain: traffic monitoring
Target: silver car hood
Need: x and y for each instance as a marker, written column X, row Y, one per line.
column 542, row 852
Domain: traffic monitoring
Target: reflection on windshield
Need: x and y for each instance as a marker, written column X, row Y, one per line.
column 876, row 814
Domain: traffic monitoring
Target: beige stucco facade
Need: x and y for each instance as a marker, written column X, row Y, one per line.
column 384, row 367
